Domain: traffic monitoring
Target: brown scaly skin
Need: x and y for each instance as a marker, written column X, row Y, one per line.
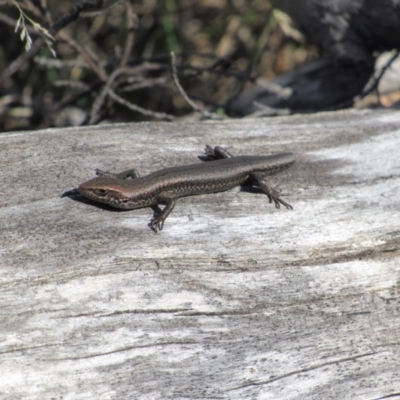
column 167, row 185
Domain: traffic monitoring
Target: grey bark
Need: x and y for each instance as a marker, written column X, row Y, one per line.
column 233, row 299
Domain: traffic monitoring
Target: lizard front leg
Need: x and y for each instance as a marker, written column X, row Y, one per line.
column 157, row 223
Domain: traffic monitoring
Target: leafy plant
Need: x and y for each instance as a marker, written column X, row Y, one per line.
column 43, row 32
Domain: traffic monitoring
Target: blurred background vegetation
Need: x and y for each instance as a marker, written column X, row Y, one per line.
column 113, row 62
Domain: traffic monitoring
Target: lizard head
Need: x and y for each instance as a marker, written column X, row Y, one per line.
column 114, row 192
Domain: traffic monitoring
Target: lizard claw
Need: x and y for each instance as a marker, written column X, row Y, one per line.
column 274, row 196
column 157, row 224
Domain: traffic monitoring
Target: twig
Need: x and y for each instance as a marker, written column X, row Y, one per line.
column 140, row 83
column 376, row 80
column 85, row 55
column 71, row 83
column 58, row 64
column 141, row 110
column 65, row 20
column 32, row 8
column 132, row 24
column 12, row 22
column 93, row 14
column 74, row 12
column 98, row 103
column 191, row 103
column 72, row 99
column 46, row 12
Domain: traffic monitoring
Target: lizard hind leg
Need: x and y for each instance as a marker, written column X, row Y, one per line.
column 216, row 153
column 273, row 195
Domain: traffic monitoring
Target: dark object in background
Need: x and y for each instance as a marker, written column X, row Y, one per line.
column 348, row 32
column 316, row 85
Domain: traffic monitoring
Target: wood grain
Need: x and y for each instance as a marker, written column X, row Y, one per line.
column 234, row 299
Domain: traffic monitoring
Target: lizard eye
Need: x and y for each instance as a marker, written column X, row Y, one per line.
column 101, row 192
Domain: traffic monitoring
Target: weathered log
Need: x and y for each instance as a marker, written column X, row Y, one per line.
column 234, row 299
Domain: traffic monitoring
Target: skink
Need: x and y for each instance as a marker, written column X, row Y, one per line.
column 165, row 186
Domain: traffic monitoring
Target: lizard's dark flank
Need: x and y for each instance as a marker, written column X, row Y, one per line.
column 167, row 185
